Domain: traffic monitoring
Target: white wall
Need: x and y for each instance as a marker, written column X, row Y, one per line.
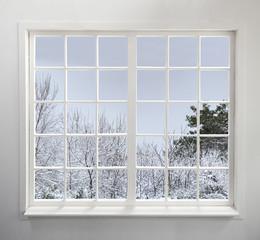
column 163, row 12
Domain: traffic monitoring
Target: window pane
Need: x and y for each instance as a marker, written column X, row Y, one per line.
column 214, row 85
column 183, row 85
column 81, row 51
column 214, row 184
column 182, row 118
column 49, row 118
column 214, row 119
column 81, row 117
column 214, row 152
column 81, row 184
column 151, row 51
column 151, row 118
column 49, row 184
column 112, row 151
column 112, row 184
column 81, row 151
column 113, row 85
column 49, row 85
column 150, row 184
column 49, row 151
column 49, row 51
column 182, row 151
column 215, row 51
column 182, row 184
column 81, row 85
column 150, row 151
column 183, row 51
column 113, row 51
column 151, row 85
column 112, row 118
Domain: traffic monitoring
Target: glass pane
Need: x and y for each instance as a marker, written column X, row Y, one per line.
column 182, row 118
column 183, row 85
column 214, row 152
column 151, row 51
column 113, row 85
column 214, row 184
column 150, row 151
column 215, row 51
column 81, row 51
column 49, row 118
column 81, row 85
column 112, row 184
column 214, row 119
column 151, row 85
column 81, row 151
column 183, row 51
column 112, row 118
column 49, row 151
column 49, row 85
column 113, row 51
column 81, row 184
column 49, row 184
column 81, row 117
column 112, row 151
column 214, row 85
column 150, row 184
column 182, row 184
column 49, row 51
column 182, row 151
column 151, row 118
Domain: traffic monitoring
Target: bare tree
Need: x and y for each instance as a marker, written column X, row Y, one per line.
column 48, row 150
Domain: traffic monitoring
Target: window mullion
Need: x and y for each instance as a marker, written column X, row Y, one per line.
column 166, row 119
column 198, row 122
column 131, row 140
column 65, row 118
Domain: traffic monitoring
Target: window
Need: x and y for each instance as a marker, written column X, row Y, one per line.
column 131, row 119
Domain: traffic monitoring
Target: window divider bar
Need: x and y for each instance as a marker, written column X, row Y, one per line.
column 198, row 121
column 65, row 118
column 97, row 126
column 131, row 123
column 167, row 117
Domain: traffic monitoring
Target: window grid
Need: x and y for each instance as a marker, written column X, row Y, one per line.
column 96, row 134
column 198, row 103
column 167, row 101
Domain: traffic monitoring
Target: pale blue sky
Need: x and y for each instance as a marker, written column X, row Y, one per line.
column 81, row 51
column 183, row 85
column 151, row 51
column 151, row 84
column 113, row 85
column 81, row 85
column 214, row 51
column 183, row 51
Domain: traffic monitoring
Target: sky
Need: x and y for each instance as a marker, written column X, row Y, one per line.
column 151, row 83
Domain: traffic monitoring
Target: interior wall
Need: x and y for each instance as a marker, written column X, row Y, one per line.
column 163, row 12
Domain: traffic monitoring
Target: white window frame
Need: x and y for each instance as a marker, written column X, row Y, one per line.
column 131, row 207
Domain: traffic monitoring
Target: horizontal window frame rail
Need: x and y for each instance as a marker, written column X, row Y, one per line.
column 124, row 203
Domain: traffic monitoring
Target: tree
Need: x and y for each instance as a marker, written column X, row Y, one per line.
column 48, row 150
column 112, row 152
column 212, row 121
column 213, row 150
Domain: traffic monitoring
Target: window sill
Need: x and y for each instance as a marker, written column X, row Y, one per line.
column 132, row 211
